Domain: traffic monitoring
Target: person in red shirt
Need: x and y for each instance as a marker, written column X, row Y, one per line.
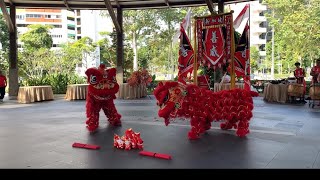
column 315, row 72
column 3, row 85
column 300, row 73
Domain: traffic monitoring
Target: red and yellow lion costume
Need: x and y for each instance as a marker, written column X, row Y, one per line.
column 204, row 106
column 101, row 92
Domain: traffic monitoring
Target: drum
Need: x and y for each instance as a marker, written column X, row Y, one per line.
column 295, row 90
column 314, row 91
column 291, row 80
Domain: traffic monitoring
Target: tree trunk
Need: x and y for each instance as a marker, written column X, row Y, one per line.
column 135, row 58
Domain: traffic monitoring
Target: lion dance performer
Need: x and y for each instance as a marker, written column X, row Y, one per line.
column 101, row 92
column 204, row 106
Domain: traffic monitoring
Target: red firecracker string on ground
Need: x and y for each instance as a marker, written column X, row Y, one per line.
column 85, row 146
column 156, row 155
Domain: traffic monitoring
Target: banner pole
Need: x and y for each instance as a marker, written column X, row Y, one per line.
column 195, row 62
column 233, row 78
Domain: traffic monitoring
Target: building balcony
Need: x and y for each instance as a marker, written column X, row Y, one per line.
column 71, row 23
column 263, row 53
column 71, row 31
column 259, row 19
column 260, row 8
column 258, row 30
column 257, row 41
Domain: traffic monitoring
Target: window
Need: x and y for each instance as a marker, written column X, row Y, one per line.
column 263, row 36
column 261, row 13
column 263, row 24
column 56, row 35
column 20, row 17
column 23, row 25
column 58, row 16
column 33, row 15
column 71, row 28
column 48, row 16
column 55, row 45
column 57, row 26
column 262, row 47
column 70, row 18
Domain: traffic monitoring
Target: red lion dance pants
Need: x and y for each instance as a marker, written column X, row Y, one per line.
column 93, row 109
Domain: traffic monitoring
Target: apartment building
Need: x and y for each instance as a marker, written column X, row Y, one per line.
column 63, row 22
column 259, row 32
column 89, row 23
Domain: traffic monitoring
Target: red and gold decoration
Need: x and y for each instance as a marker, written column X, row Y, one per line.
column 242, row 58
column 130, row 140
column 204, row 106
column 214, row 34
column 140, row 77
column 186, row 57
column 101, row 92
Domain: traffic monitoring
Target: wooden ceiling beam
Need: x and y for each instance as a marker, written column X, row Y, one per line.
column 113, row 16
column 7, row 16
column 117, row 3
column 67, row 5
column 167, row 2
column 211, row 6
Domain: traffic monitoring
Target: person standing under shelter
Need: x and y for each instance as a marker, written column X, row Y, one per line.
column 299, row 74
column 3, row 85
column 315, row 72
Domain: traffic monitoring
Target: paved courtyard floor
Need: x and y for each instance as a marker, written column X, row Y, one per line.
column 40, row 135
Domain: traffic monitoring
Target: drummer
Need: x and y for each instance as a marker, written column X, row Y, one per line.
column 315, row 72
column 300, row 73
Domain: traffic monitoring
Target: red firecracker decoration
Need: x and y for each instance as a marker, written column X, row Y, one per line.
column 130, row 140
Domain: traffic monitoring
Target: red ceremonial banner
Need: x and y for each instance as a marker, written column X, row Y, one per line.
column 214, row 40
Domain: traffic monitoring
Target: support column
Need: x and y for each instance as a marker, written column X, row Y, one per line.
column 13, row 57
column 220, row 6
column 120, row 47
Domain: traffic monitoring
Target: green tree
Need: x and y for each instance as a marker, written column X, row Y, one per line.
column 37, row 37
column 254, row 59
column 4, row 40
column 33, row 64
column 138, row 23
column 170, row 17
column 105, row 51
column 83, row 48
column 297, row 29
column 108, row 52
column 4, row 34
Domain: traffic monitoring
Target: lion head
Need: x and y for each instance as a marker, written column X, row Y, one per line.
column 102, row 81
column 169, row 97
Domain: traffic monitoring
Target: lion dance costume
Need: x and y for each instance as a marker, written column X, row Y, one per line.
column 101, row 92
column 204, row 106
